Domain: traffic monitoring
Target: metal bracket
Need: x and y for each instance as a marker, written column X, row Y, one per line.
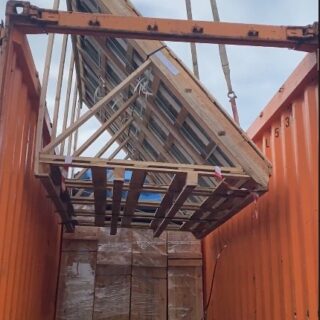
column 26, row 11
column 31, row 19
column 310, row 31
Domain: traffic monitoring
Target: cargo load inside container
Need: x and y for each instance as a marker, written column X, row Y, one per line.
column 198, row 220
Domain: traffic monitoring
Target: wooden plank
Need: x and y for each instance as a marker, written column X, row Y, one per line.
column 156, row 188
column 76, row 285
column 184, row 262
column 191, row 183
column 174, row 132
column 59, row 86
column 118, row 180
column 112, row 294
column 133, row 225
column 67, row 101
column 148, row 251
column 148, row 293
column 185, row 292
column 119, row 148
column 205, row 206
column 72, row 117
column 110, row 142
column 136, row 184
column 104, row 126
column 99, row 182
column 152, row 166
column 183, row 246
column 161, row 148
column 175, row 187
column 140, row 204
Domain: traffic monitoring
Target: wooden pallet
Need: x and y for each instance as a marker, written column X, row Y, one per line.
column 184, row 204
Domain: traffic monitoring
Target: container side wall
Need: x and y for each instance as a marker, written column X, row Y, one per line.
column 268, row 269
column 29, row 229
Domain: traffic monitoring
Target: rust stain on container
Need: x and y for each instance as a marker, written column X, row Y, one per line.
column 269, row 268
column 29, row 230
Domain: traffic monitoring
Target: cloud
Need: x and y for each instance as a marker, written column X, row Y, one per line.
column 257, row 73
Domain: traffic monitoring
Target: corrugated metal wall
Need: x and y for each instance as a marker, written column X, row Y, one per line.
column 29, row 230
column 269, row 269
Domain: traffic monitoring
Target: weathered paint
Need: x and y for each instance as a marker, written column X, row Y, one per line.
column 269, row 268
column 29, row 229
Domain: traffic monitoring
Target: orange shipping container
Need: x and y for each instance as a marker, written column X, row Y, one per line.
column 268, row 269
column 29, row 230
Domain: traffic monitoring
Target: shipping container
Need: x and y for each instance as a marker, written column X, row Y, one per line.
column 260, row 264
column 29, row 227
column 266, row 258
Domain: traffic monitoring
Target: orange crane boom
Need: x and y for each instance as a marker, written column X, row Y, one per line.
column 31, row 19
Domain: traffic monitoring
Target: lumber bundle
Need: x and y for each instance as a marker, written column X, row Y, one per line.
column 130, row 275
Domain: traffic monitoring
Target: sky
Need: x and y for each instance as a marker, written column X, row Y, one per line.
column 256, row 72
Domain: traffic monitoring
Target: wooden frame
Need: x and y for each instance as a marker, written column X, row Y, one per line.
column 148, row 76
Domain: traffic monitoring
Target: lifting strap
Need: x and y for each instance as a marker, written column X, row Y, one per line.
column 192, row 44
column 225, row 66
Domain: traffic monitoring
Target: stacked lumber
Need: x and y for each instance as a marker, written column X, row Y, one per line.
column 131, row 275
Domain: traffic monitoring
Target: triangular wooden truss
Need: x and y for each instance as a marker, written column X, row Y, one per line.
column 161, row 116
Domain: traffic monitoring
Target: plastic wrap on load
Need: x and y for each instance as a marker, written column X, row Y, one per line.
column 115, row 250
column 79, row 246
column 82, row 233
column 148, row 293
column 185, row 293
column 112, row 293
column 131, row 275
column 148, row 251
column 76, row 285
column 183, row 245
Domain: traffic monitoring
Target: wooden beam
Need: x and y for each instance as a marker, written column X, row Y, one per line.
column 206, row 205
column 67, row 100
column 142, row 204
column 110, row 142
column 153, row 188
column 94, row 109
column 174, row 132
column 139, row 214
column 136, row 184
column 151, row 166
column 104, row 126
column 175, row 188
column 139, row 225
column 99, row 182
column 191, row 183
column 154, row 141
column 59, row 86
column 73, row 115
column 121, row 145
column 200, row 232
column 118, row 180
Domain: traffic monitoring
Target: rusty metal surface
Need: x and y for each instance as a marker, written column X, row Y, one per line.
column 269, row 268
column 29, row 230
